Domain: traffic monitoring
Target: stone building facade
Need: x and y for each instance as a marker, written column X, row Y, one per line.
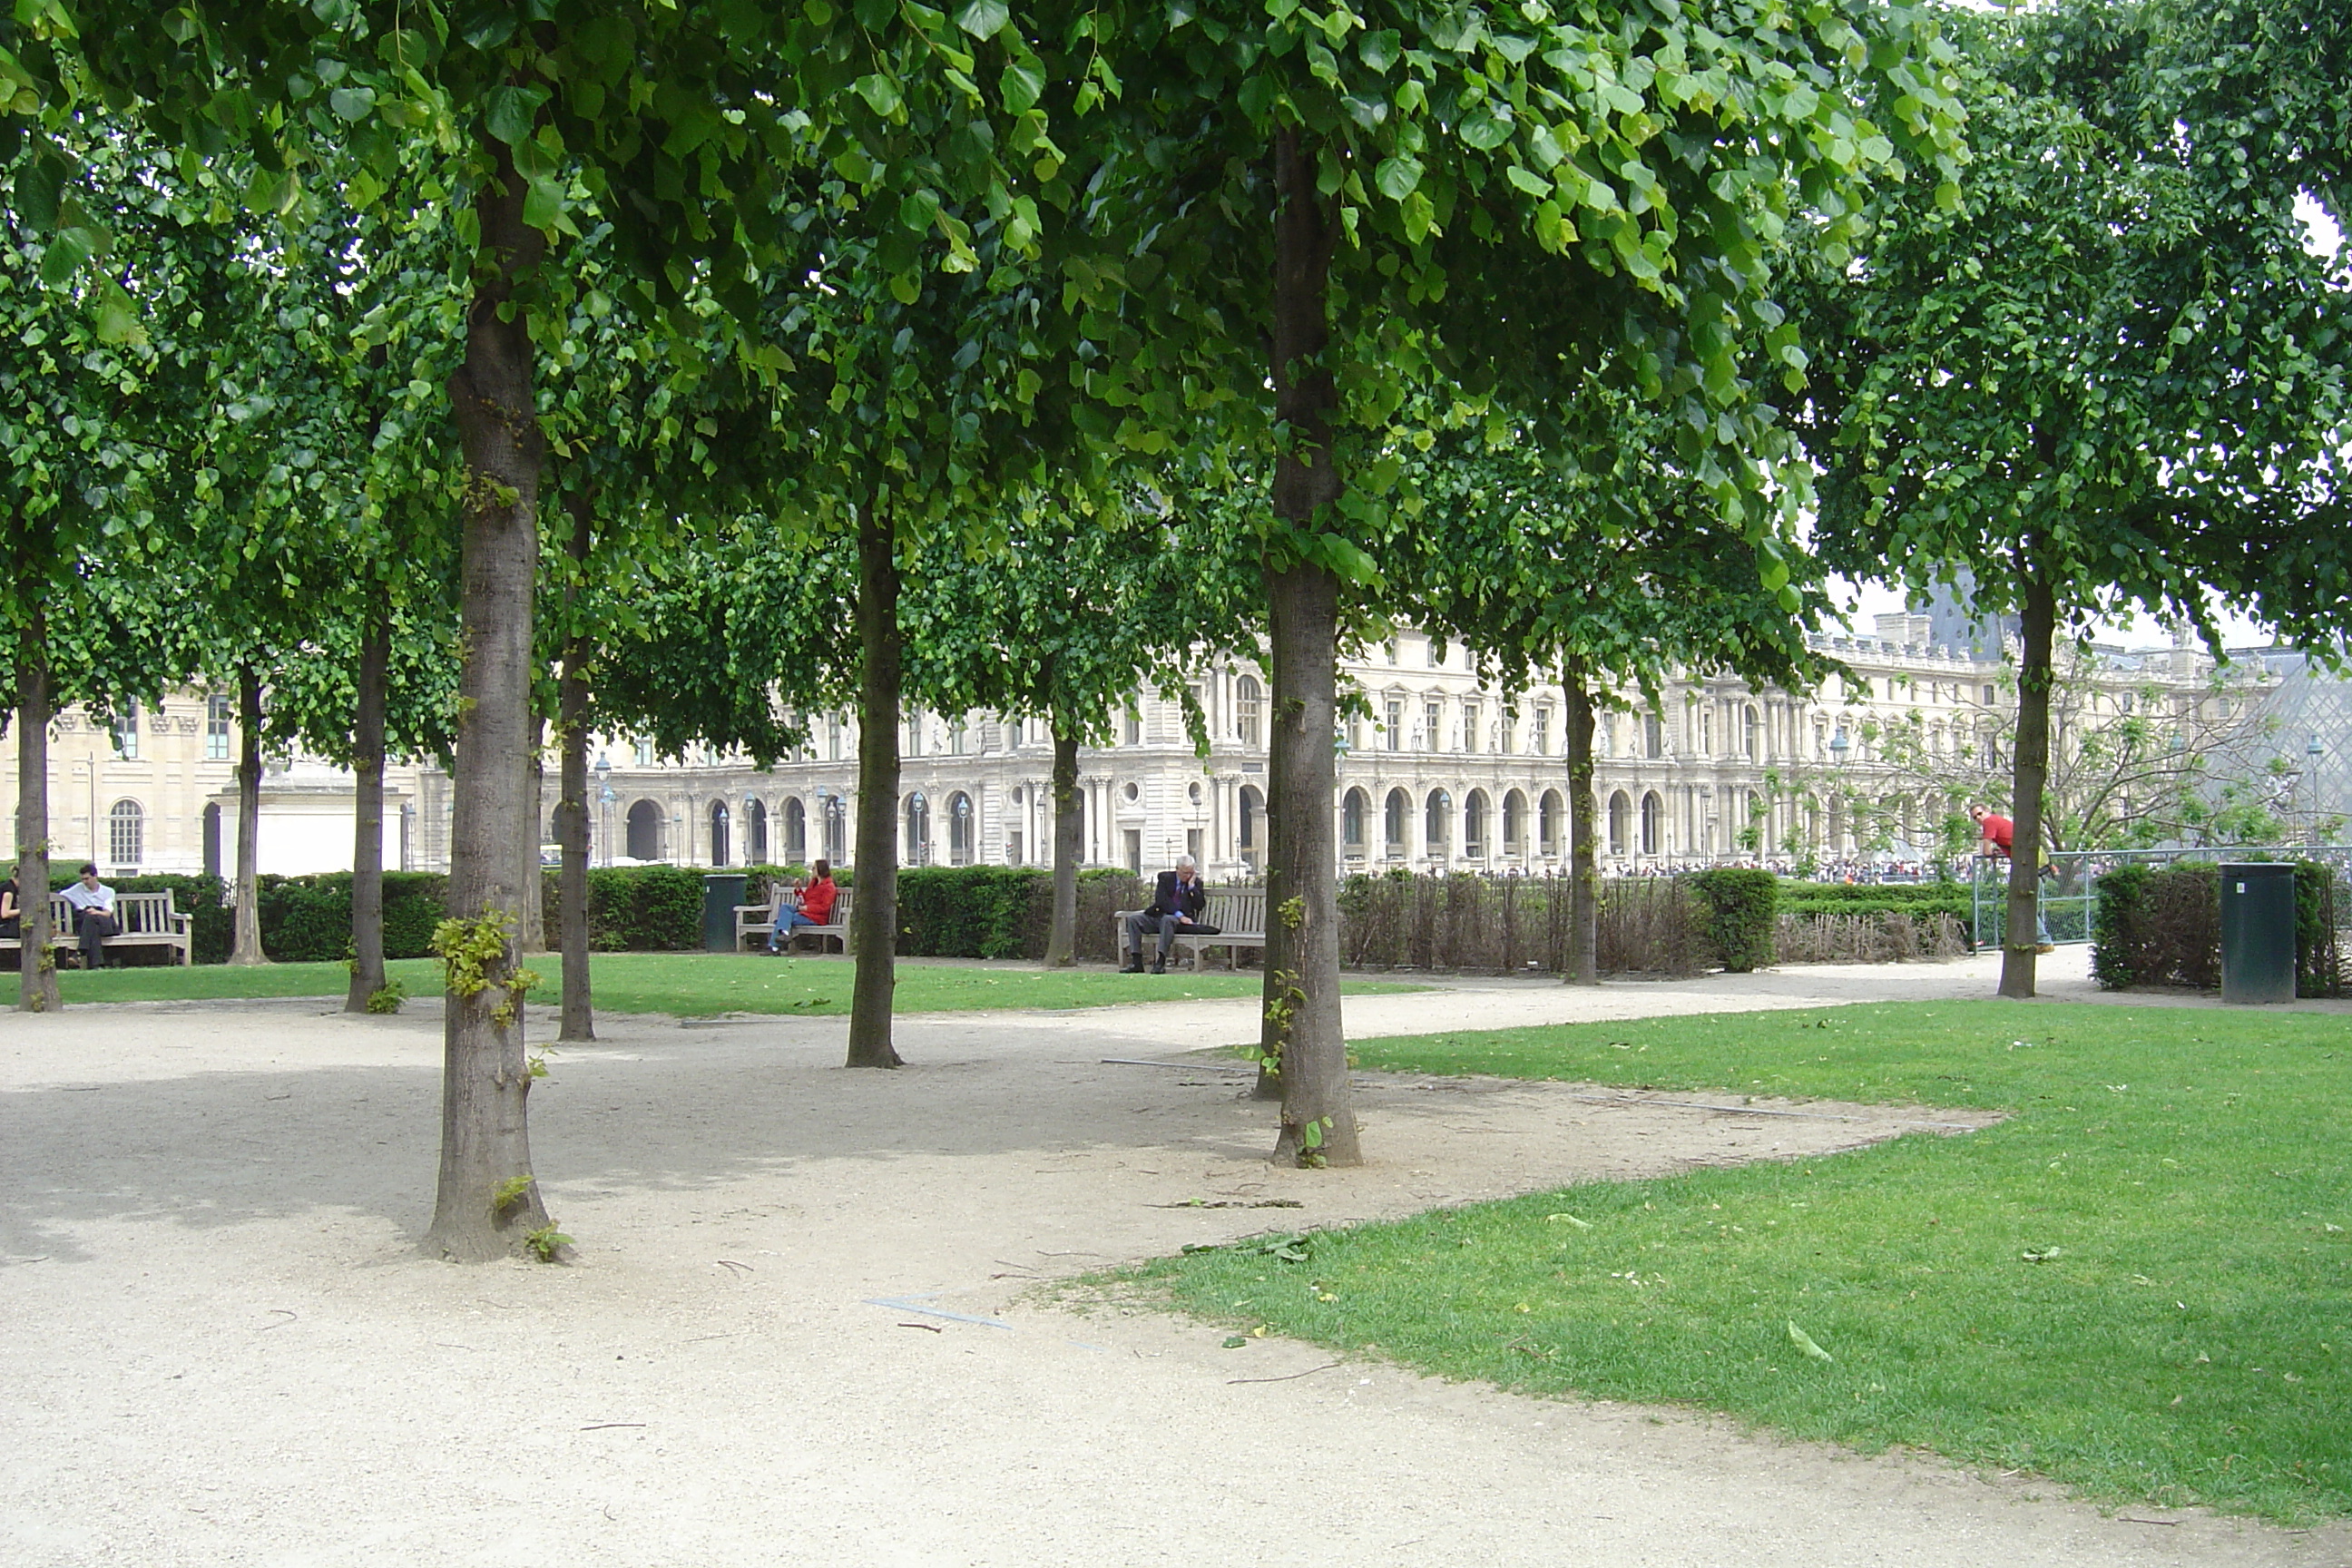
column 1437, row 770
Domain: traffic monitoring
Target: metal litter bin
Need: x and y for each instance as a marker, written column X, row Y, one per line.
column 720, row 894
column 2257, row 932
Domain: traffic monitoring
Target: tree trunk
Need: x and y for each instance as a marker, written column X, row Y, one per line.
column 367, row 812
column 1062, row 935
column 1302, row 1033
column 874, row 912
column 572, row 811
column 530, row 936
column 486, row 1205
column 1583, row 856
column 36, row 979
column 2029, row 774
column 246, row 947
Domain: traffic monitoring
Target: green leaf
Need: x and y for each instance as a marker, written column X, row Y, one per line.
column 509, row 112
column 69, row 249
column 880, row 93
column 353, row 103
column 984, row 18
column 1021, row 85
column 1486, row 129
column 1397, row 177
column 1804, row 1342
column 37, row 191
column 1533, row 184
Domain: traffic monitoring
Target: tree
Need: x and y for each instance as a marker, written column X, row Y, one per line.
column 680, row 120
column 1308, row 215
column 2137, row 758
column 1577, row 550
column 81, row 453
column 1064, row 622
column 2080, row 384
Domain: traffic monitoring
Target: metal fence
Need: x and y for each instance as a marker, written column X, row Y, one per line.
column 2070, row 893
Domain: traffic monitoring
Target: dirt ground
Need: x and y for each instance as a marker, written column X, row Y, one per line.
column 804, row 1323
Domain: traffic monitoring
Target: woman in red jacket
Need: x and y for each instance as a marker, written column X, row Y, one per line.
column 817, row 894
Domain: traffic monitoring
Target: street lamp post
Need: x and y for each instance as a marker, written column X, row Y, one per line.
column 2311, row 755
column 605, row 799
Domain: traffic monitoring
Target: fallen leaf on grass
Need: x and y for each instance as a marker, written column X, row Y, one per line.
column 2043, row 1254
column 1804, row 1342
column 1571, row 1219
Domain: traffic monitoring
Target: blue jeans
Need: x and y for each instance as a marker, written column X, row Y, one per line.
column 786, row 919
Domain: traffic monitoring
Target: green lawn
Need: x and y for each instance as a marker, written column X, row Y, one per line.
column 698, row 983
column 2139, row 1285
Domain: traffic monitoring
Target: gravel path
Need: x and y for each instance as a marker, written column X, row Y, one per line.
column 804, row 1326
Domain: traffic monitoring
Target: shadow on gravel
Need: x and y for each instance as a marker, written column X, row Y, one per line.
column 225, row 1148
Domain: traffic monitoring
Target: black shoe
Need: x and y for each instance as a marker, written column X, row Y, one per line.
column 1134, row 966
column 1158, row 966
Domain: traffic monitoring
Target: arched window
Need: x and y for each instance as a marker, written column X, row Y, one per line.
column 1621, row 823
column 645, row 831
column 755, row 832
column 126, row 835
column 1352, row 822
column 1654, row 814
column 1752, row 740
column 918, row 830
column 795, row 832
column 1437, row 822
column 718, row 820
column 960, row 824
column 1248, row 712
column 1551, row 812
column 1252, row 808
column 1474, row 825
column 1392, row 834
column 1514, row 824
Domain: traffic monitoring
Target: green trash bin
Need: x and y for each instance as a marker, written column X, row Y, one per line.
column 2257, row 932
column 720, row 894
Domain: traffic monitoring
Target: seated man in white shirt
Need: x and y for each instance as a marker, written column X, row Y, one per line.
column 94, row 916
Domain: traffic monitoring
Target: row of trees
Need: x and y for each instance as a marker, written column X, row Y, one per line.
column 677, row 369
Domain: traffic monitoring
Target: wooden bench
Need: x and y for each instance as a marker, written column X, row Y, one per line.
column 148, row 920
column 1239, row 917
column 758, row 921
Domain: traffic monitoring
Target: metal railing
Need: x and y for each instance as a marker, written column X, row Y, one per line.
column 2070, row 893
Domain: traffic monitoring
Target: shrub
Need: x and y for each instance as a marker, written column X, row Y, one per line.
column 967, row 911
column 640, row 908
column 2318, row 961
column 1506, row 924
column 309, row 918
column 1739, row 904
column 2157, row 925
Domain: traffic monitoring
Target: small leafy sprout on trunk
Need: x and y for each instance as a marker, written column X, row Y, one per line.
column 509, row 1192
column 387, row 997
column 467, row 948
column 547, row 1244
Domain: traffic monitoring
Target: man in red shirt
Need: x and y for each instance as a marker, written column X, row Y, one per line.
column 1999, row 838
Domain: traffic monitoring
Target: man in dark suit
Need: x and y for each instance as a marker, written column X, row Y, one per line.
column 1176, row 905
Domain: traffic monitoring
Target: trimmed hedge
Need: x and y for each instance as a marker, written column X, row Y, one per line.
column 967, row 911
column 309, row 918
column 2162, row 926
column 1740, row 905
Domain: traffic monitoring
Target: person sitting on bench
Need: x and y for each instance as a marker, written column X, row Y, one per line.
column 818, row 896
column 94, row 916
column 1176, row 904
